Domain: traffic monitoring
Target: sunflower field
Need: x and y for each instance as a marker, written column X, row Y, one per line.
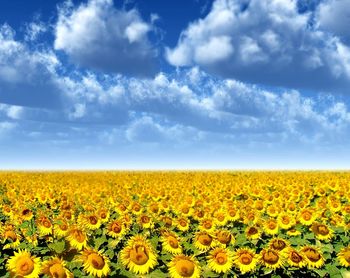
column 174, row 224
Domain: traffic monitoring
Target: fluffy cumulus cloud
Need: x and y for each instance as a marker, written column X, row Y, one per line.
column 334, row 16
column 269, row 42
column 95, row 35
column 27, row 76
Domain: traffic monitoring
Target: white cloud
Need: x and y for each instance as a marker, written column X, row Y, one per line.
column 267, row 42
column 98, row 36
column 27, row 76
column 334, row 16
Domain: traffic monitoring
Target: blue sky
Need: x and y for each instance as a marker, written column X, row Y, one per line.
column 223, row 84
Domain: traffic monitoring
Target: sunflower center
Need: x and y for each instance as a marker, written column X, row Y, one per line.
column 246, row 259
column 252, row 231
column 205, row 239
column 312, row 254
column 139, row 255
column 270, row 257
column 278, row 244
column 295, row 257
column 271, row 225
column 285, row 220
column 46, row 223
column 116, row 227
column 24, row 266
column 58, row 271
column 11, row 235
column 145, row 219
column 221, row 217
column 307, row 215
column 185, row 268
column 224, row 237
column 96, row 261
column 221, row 258
column 182, row 222
column 173, row 242
column 79, row 236
column 207, row 224
column 93, row 220
column 322, row 230
column 26, row 212
column 103, row 215
column 64, row 227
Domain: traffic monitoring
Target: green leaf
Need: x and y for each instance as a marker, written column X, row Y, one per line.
column 58, row 246
column 99, row 241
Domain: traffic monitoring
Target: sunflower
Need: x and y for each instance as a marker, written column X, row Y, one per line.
column 279, row 244
column 22, row 264
column 295, row 258
column 12, row 238
column 171, row 243
column 220, row 218
column 77, row 238
column 44, row 225
column 321, row 231
column 91, row 222
column 168, row 222
column 245, row 259
column 271, row 227
column 27, row 214
column 207, row 225
column 344, row 256
column 220, row 260
column 56, row 268
column 145, row 221
column 138, row 256
column 94, row 262
column 313, row 256
column 116, row 229
column 104, row 215
column 183, row 224
column 271, row 258
column 182, row 266
column 252, row 233
column 224, row 237
column 203, row 241
column 285, row 221
column 307, row 217
column 232, row 214
column 61, row 228
column 293, row 232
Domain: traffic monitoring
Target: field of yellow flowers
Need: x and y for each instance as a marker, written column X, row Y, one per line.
column 174, row 224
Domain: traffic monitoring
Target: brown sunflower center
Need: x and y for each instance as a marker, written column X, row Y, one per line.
column 252, row 231
column 11, row 235
column 312, row 254
column 145, row 219
column 278, row 244
column 24, row 266
column 221, row 258
column 64, row 227
column 173, row 242
column 285, row 220
column 58, row 271
column 224, row 237
column 207, row 224
column 185, row 268
column 270, row 257
column 96, row 261
column 295, row 257
column 139, row 255
column 246, row 258
column 116, row 227
column 26, row 212
column 272, row 225
column 93, row 220
column 183, row 222
column 46, row 223
column 79, row 236
column 205, row 239
column 322, row 230
column 306, row 215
